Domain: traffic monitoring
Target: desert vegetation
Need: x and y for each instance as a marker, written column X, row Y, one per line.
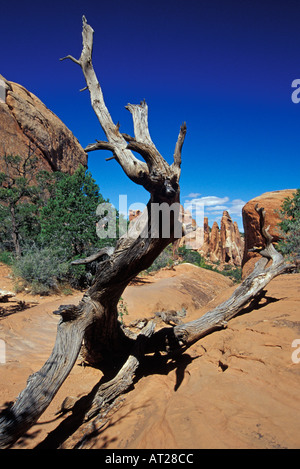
column 289, row 227
column 48, row 220
column 169, row 258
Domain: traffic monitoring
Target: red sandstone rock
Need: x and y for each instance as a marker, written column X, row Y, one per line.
column 271, row 202
column 214, row 243
column 230, row 241
column 223, row 245
column 25, row 120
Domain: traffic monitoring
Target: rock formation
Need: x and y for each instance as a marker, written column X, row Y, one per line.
column 25, row 121
column 231, row 244
column 223, row 245
column 272, row 202
column 194, row 236
column 214, row 247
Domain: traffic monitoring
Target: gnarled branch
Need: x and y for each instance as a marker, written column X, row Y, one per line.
column 105, row 252
column 43, row 385
column 138, row 171
column 100, row 145
column 139, row 114
column 179, row 145
column 180, row 337
column 116, row 143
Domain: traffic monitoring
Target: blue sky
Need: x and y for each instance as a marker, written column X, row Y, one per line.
column 224, row 67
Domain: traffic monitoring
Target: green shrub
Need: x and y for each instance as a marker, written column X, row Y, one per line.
column 190, row 256
column 290, row 227
column 235, row 273
column 40, row 269
column 165, row 259
column 6, row 257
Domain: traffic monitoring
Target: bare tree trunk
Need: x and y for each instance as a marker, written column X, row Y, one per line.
column 94, row 321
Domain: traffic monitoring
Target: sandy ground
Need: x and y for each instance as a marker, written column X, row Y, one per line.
column 236, row 388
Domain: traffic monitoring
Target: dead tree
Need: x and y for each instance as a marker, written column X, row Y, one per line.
column 92, row 326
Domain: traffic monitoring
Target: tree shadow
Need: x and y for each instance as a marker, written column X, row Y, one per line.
column 12, row 307
column 156, row 364
column 164, row 364
column 71, row 423
column 260, row 301
column 92, row 429
column 7, row 413
column 137, row 281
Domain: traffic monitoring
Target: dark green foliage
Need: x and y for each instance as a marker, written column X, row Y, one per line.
column 19, row 198
column 48, row 223
column 235, row 273
column 184, row 255
column 6, row 257
column 192, row 257
column 69, row 216
column 290, row 226
column 165, row 259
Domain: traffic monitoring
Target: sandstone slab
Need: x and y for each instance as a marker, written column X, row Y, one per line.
column 26, row 124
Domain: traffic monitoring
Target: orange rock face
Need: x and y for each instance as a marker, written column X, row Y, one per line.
column 25, row 120
column 223, row 245
column 231, row 244
column 214, row 243
column 272, row 202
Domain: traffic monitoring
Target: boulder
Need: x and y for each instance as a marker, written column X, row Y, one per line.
column 26, row 122
column 271, row 202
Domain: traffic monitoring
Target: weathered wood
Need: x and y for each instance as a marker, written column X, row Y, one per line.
column 124, row 378
column 107, row 251
column 43, row 385
column 130, row 164
column 179, row 145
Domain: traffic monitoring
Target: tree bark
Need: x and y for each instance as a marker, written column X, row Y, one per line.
column 92, row 327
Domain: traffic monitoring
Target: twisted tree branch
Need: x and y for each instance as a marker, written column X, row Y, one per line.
column 179, row 145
